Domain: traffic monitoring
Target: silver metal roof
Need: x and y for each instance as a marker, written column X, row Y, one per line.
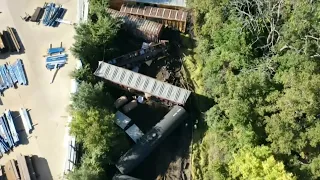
column 177, row 3
column 142, row 83
column 134, row 132
column 121, row 119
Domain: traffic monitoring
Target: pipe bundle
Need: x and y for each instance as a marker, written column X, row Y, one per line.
column 10, row 74
column 25, row 120
column 8, row 135
column 52, row 13
column 56, row 61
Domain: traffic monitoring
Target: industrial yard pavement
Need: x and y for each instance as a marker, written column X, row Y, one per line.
column 47, row 102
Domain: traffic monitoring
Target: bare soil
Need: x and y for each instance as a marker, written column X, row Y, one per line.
column 170, row 160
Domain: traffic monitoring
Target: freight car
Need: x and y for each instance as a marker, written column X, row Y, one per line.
column 151, row 140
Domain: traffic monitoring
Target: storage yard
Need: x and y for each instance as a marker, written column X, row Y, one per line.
column 45, row 103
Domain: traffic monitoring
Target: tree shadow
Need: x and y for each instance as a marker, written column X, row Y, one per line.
column 41, row 168
column 197, row 105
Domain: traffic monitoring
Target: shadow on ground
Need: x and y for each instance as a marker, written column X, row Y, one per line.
column 169, row 159
column 22, row 49
column 41, row 168
column 23, row 136
column 145, row 116
column 5, row 55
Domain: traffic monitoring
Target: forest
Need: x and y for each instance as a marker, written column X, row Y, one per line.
column 93, row 117
column 257, row 60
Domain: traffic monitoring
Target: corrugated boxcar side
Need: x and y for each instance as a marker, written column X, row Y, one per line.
column 145, row 29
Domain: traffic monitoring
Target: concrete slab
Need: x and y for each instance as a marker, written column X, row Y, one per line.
column 47, row 102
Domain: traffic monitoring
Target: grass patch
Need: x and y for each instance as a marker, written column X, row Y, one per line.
column 192, row 73
column 192, row 66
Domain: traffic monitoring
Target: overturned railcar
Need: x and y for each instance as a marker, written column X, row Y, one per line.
column 175, row 19
column 139, row 27
column 150, row 140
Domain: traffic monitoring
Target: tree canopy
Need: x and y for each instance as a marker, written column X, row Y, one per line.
column 92, row 105
column 94, row 39
column 257, row 163
column 261, row 67
column 93, row 126
column 91, row 96
column 259, row 63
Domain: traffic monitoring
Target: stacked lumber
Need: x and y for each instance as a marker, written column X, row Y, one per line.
column 20, row 169
column 11, row 171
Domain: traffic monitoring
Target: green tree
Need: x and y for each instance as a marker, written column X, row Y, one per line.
column 91, row 96
column 257, row 163
column 98, row 6
column 102, row 130
column 91, row 108
column 83, row 173
column 93, row 126
column 84, row 74
column 90, row 167
column 261, row 66
column 94, row 40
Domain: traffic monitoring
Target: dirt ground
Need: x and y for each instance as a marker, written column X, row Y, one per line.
column 170, row 160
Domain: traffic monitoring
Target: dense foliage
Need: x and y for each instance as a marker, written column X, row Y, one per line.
column 93, row 126
column 91, row 108
column 94, row 40
column 261, row 67
column 256, row 163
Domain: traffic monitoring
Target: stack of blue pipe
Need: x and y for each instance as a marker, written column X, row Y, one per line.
column 18, row 70
column 6, row 78
column 8, row 135
column 52, row 13
column 56, row 61
column 11, row 74
column 55, row 50
column 12, row 127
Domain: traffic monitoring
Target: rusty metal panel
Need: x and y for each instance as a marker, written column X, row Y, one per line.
column 140, row 27
column 173, row 3
column 173, row 18
column 154, row 12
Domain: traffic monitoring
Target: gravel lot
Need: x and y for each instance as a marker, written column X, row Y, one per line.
column 47, row 102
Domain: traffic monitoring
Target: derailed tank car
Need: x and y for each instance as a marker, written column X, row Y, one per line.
column 150, row 140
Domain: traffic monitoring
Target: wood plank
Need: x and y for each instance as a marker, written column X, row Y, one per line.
column 23, row 168
column 11, row 171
